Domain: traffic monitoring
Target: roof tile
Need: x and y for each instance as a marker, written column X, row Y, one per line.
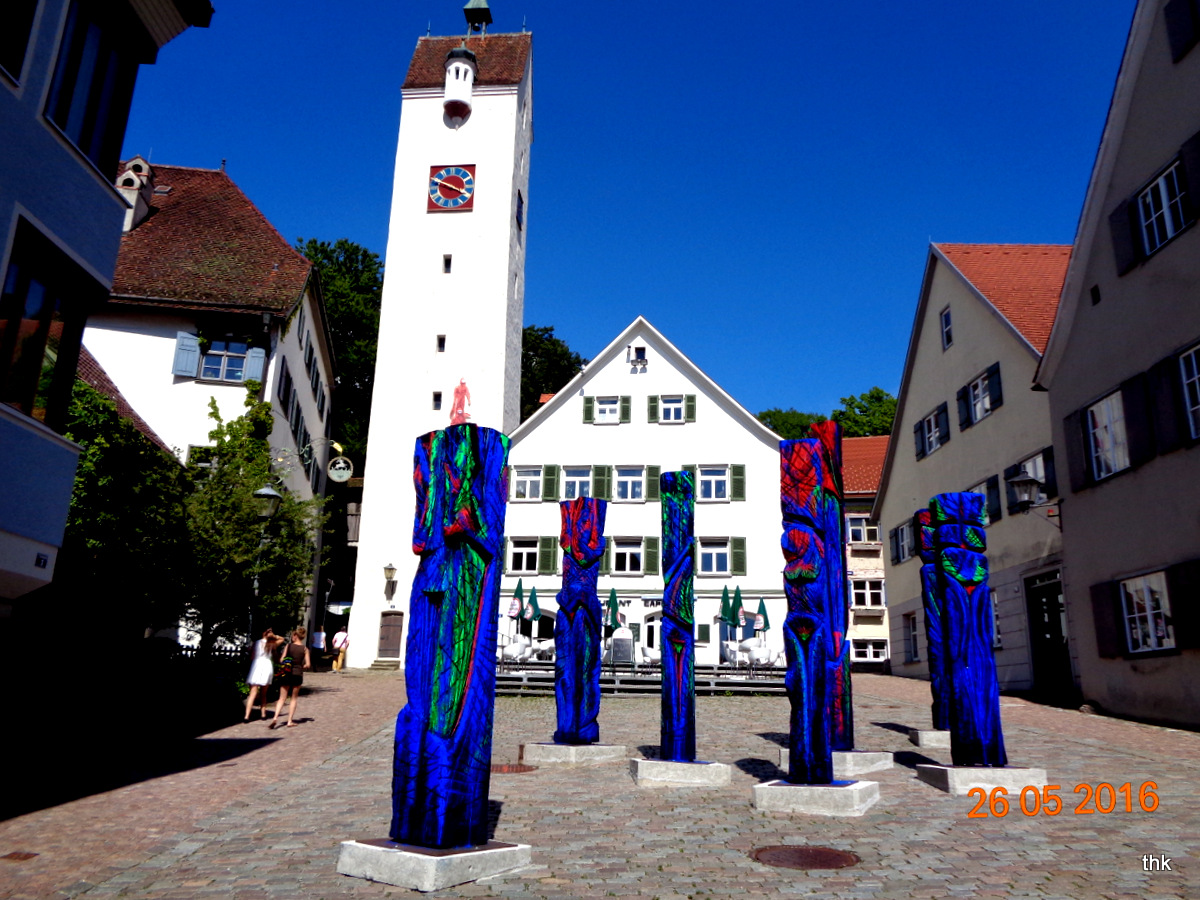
column 862, row 463
column 501, row 59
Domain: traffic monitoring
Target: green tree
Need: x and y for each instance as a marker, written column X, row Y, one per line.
column 867, row 414
column 547, row 363
column 789, row 424
column 232, row 548
column 352, row 285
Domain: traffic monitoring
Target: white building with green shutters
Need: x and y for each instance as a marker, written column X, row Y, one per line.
column 638, row 409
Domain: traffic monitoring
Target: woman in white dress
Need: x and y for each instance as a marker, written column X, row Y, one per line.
column 261, row 671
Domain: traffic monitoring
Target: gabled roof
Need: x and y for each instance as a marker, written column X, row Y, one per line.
column 862, row 464
column 205, row 245
column 500, row 59
column 669, row 351
column 1022, row 281
column 90, row 371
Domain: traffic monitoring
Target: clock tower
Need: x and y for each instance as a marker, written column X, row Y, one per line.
column 453, row 293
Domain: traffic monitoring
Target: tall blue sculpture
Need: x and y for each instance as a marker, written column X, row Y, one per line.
column 931, row 601
column 976, row 738
column 577, row 628
column 678, row 490
column 443, row 751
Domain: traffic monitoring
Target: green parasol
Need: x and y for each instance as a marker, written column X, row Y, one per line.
column 518, row 602
column 737, row 612
column 726, row 609
column 614, row 618
column 761, row 622
column 532, row 612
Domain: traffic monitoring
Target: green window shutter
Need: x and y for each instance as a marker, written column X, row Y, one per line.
column 549, row 483
column 737, row 482
column 652, row 408
column 602, row 482
column 589, row 410
column 737, row 561
column 689, row 407
column 606, row 559
column 702, row 633
column 507, row 553
column 626, row 409
column 547, row 555
column 652, row 475
column 650, row 556
column 691, row 470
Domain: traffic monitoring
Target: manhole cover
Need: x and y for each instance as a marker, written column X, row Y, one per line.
column 512, row 769
column 19, row 855
column 785, row 857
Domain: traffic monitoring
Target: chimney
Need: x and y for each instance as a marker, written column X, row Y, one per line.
column 136, row 185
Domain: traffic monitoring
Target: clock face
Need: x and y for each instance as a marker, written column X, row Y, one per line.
column 451, row 188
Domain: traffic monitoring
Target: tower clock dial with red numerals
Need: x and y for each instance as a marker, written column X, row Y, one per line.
column 451, row 188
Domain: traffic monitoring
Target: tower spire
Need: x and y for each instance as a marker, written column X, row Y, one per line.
column 479, row 16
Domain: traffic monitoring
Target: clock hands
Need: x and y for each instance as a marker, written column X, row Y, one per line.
column 453, row 187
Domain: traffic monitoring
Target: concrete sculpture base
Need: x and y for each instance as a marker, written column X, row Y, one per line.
column 571, row 754
column 927, row 737
column 850, row 798
column 849, row 763
column 960, row 779
column 422, row 869
column 652, row 772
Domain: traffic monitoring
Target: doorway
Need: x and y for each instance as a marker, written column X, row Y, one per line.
column 1049, row 655
column 391, row 632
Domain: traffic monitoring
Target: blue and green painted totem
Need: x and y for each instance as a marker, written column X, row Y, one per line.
column 678, row 490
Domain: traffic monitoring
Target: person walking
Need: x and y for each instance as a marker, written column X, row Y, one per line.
column 294, row 661
column 318, row 644
column 261, row 670
column 341, row 641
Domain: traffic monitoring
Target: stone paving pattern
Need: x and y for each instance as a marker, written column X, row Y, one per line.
column 267, row 823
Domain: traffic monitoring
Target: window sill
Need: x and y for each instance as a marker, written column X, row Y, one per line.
column 1135, row 655
column 625, row 574
column 636, row 502
column 224, row 381
column 525, row 500
column 712, row 575
column 712, row 500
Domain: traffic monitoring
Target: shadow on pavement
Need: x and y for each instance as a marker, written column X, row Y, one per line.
column 782, row 738
column 910, row 759
column 649, row 751
column 761, row 769
column 894, row 726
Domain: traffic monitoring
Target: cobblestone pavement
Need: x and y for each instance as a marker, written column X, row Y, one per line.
column 269, row 826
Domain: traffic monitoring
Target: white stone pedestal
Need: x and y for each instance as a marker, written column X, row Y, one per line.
column 571, row 754
column 927, row 737
column 423, row 869
column 849, row 763
column 851, row 798
column 653, row 772
column 960, row 779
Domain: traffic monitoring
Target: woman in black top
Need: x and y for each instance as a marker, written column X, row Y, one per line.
column 290, row 683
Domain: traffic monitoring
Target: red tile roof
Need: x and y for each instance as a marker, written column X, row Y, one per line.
column 545, row 398
column 205, row 245
column 862, row 464
column 1023, row 281
column 501, row 59
column 89, row 370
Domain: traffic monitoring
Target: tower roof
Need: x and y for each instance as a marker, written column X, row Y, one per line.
column 500, row 59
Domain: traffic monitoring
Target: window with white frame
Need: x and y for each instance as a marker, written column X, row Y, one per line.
column 1147, row 612
column 608, row 411
column 1161, row 209
column 627, row 556
column 714, row 557
column 867, row 592
column 523, row 556
column 577, row 482
column 1108, row 448
column 225, row 360
column 932, row 437
column 630, row 484
column 982, row 490
column 912, row 651
column 1189, row 365
column 1035, row 467
column 868, row 651
column 713, row 484
column 904, row 542
column 947, row 334
column 860, row 529
column 980, row 397
column 527, row 483
column 670, row 409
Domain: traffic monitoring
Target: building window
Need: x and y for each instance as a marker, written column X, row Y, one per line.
column 523, row 556
column 671, row 409
column 861, row 530
column 447, row 262
column 912, row 652
column 713, row 484
column 982, row 490
column 869, row 651
column 629, row 484
column 997, row 640
column 901, row 538
column 14, row 41
column 639, row 355
column 520, row 212
column 93, row 82
column 1035, row 467
column 1147, row 612
column 979, row 398
column 1160, row 210
column 947, row 333
column 929, row 425
column 867, row 593
column 441, row 343
column 627, row 556
column 1189, row 364
column 577, row 482
column 527, row 483
column 932, row 431
column 224, row 360
column 608, row 410
column 437, row 399
column 1108, row 448
column 714, row 557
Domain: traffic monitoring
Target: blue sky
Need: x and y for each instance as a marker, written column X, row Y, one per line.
column 760, row 180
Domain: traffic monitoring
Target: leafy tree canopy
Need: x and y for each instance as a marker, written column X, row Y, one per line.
column 867, row 414
column 352, row 285
column 789, row 424
column 547, row 364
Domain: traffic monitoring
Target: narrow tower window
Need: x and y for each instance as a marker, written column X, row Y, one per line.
column 441, row 343
column 446, row 264
column 437, row 399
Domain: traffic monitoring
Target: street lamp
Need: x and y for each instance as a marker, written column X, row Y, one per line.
column 389, row 577
column 267, row 499
column 1026, row 489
